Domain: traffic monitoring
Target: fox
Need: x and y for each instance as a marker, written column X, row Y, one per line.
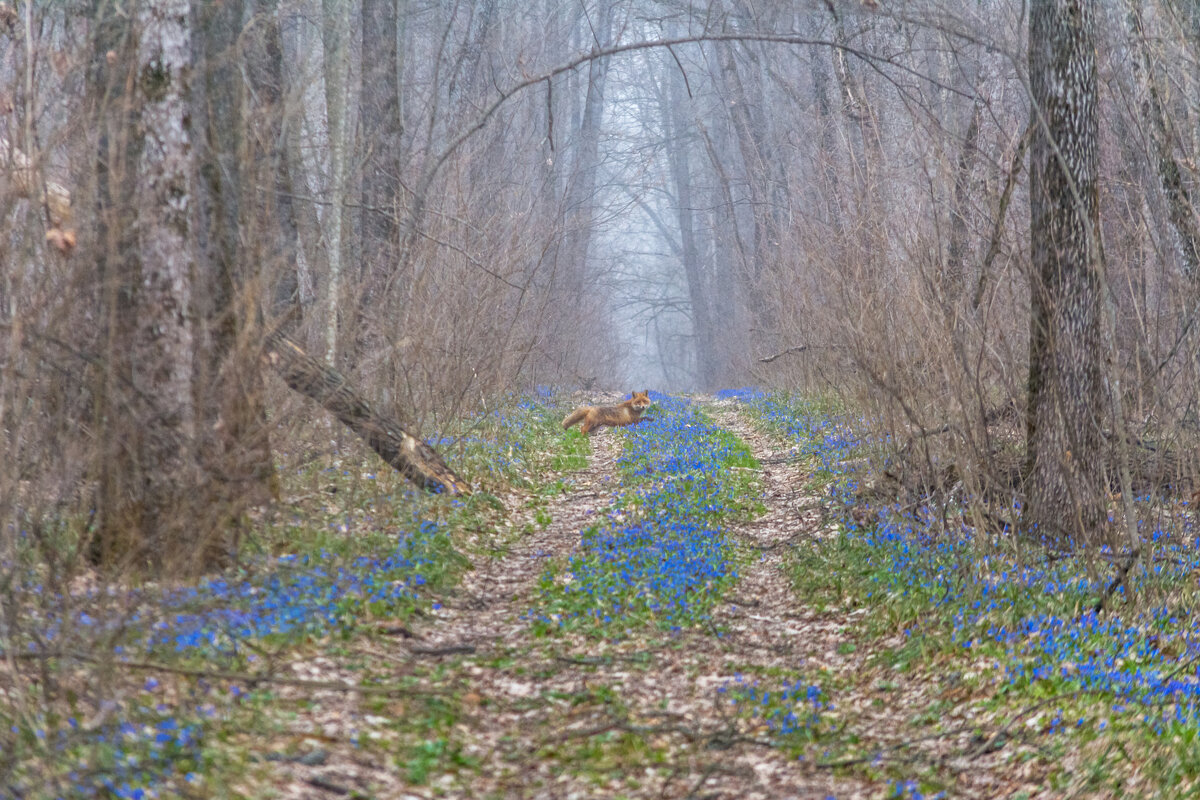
column 627, row 413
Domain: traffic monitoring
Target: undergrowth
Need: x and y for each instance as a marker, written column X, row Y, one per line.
column 353, row 547
column 1015, row 625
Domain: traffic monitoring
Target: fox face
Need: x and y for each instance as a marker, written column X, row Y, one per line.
column 640, row 400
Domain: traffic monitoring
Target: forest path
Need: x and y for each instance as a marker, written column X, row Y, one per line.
column 441, row 654
column 497, row 710
column 901, row 726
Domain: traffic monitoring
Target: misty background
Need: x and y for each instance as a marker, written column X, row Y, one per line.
column 451, row 202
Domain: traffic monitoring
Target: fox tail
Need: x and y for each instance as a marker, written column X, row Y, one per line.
column 575, row 416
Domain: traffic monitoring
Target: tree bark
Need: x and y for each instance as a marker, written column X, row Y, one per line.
column 1067, row 398
column 336, row 45
column 233, row 437
column 144, row 524
column 382, row 131
column 271, row 189
column 114, row 114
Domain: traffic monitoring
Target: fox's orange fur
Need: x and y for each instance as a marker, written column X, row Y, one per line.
column 626, row 413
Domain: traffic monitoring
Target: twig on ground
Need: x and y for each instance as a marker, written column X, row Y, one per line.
column 444, row 650
column 639, row 657
column 248, row 678
column 327, row 785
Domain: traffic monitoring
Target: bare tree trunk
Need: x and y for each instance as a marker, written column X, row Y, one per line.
column 675, row 125
column 311, row 255
column 1067, row 397
column 117, row 271
column 234, row 441
column 336, row 45
column 382, row 130
column 143, row 526
column 729, row 257
column 581, row 189
column 271, row 190
column 581, row 186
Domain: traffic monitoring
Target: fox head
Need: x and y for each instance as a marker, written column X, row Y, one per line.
column 640, row 400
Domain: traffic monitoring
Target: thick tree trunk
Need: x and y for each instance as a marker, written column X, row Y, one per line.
column 271, row 188
column 233, row 440
column 116, row 274
column 414, row 459
column 142, row 507
column 297, row 64
column 1067, row 397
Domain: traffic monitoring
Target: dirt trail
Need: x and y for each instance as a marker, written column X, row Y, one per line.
column 566, row 716
column 877, row 704
column 477, row 621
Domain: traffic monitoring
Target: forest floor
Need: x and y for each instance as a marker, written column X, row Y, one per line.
column 507, row 711
column 572, row 715
column 682, row 609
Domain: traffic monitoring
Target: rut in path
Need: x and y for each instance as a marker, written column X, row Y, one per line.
column 637, row 715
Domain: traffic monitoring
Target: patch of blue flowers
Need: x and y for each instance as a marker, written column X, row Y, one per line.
column 303, row 595
column 293, row 595
column 150, row 758
column 659, row 552
column 910, row 790
column 795, row 709
column 1033, row 619
column 147, row 750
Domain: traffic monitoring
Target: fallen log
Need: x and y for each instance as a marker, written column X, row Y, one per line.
column 414, row 459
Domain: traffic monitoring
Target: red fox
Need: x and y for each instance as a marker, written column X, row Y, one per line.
column 626, row 413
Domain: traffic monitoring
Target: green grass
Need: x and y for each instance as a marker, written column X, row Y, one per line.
column 574, row 449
